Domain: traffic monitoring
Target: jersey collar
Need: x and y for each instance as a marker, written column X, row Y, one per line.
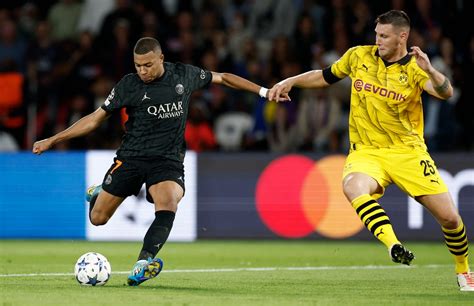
column 160, row 78
column 403, row 61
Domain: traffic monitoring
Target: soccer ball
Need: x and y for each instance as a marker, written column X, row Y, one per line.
column 92, row 269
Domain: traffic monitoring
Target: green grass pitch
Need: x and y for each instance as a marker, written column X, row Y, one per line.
column 233, row 273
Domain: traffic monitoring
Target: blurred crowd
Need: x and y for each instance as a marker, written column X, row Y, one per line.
column 60, row 59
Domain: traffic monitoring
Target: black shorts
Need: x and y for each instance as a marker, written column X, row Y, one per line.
column 126, row 176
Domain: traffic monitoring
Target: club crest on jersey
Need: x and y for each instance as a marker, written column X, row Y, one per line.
column 179, row 89
column 403, row 78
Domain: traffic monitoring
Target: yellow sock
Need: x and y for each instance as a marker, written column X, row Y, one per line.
column 375, row 219
column 456, row 240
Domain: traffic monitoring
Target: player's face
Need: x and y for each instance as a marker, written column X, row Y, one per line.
column 391, row 41
column 149, row 66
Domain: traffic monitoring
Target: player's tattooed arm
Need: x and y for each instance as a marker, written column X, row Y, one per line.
column 438, row 85
column 443, row 88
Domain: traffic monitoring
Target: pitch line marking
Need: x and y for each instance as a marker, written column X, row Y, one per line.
column 263, row 269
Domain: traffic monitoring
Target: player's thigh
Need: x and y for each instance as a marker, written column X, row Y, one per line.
column 123, row 179
column 414, row 172
column 166, row 195
column 165, row 183
column 363, row 170
column 106, row 204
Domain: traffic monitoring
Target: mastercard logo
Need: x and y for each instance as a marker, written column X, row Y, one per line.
column 296, row 196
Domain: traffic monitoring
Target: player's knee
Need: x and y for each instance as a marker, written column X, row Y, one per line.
column 170, row 204
column 348, row 193
column 450, row 221
column 168, row 201
column 352, row 188
column 357, row 184
column 98, row 218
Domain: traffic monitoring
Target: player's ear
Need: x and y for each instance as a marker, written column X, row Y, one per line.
column 404, row 35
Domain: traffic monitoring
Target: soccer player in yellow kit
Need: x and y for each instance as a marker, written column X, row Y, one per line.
column 386, row 135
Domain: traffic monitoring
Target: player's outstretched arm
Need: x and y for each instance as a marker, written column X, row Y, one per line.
column 234, row 81
column 82, row 127
column 438, row 85
column 310, row 79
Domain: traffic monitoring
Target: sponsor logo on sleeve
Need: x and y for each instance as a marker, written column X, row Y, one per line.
column 110, row 97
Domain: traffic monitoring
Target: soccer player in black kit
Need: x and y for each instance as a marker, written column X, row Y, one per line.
column 156, row 99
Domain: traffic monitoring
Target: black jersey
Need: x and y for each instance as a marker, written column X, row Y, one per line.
column 157, row 111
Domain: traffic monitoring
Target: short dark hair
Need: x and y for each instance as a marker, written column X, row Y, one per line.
column 145, row 45
column 395, row 18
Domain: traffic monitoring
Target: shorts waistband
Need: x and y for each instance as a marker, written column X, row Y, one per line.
column 359, row 146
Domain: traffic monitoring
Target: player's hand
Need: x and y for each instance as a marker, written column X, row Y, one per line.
column 279, row 92
column 421, row 58
column 42, row 145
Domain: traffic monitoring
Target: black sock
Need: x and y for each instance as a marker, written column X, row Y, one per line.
column 91, row 205
column 157, row 234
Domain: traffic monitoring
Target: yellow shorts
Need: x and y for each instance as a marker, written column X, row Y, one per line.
column 411, row 169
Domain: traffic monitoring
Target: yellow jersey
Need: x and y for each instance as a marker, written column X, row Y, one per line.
column 386, row 109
